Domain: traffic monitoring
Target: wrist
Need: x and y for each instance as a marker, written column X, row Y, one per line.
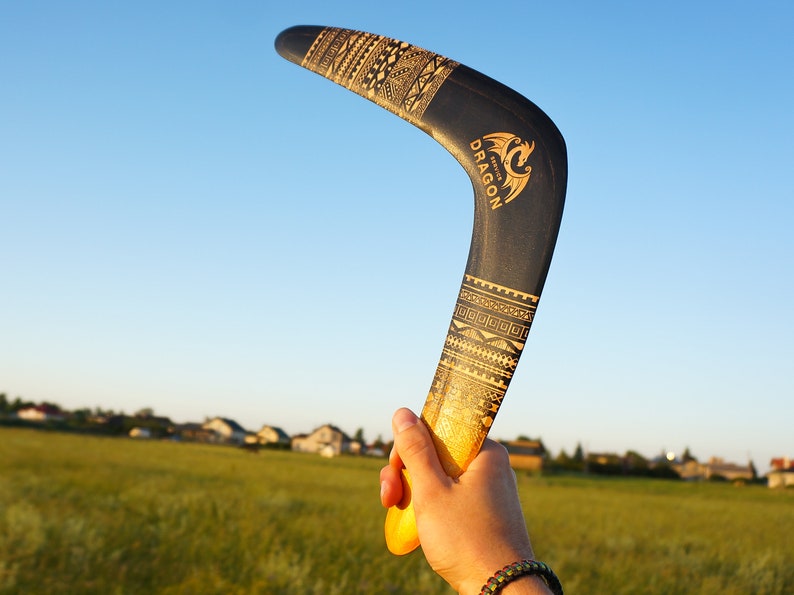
column 487, row 563
column 526, row 577
column 526, row 585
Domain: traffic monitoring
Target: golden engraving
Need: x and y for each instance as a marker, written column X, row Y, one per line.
column 504, row 172
column 489, row 327
column 398, row 76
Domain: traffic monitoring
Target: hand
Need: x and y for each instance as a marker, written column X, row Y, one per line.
column 468, row 527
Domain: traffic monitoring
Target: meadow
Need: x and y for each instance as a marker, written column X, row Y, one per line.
column 87, row 514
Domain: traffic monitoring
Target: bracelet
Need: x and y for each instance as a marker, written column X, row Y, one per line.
column 523, row 568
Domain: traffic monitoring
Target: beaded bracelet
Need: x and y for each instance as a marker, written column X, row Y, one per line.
column 523, row 568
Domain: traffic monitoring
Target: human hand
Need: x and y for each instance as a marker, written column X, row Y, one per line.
column 468, row 527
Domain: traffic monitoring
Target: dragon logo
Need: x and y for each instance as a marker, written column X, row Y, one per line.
column 503, row 165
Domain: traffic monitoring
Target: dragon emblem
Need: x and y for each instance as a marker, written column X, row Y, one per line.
column 513, row 154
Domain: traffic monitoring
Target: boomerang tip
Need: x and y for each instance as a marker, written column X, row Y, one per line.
column 294, row 43
column 402, row 536
column 400, row 531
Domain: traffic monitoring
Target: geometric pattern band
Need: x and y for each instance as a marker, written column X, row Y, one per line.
column 486, row 336
column 398, row 76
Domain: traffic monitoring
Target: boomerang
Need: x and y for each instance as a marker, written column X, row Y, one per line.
column 517, row 162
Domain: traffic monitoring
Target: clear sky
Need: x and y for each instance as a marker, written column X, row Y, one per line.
column 193, row 224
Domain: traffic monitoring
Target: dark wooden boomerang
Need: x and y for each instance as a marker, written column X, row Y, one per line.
column 517, row 162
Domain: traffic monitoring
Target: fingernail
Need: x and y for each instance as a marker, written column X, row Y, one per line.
column 382, row 489
column 404, row 419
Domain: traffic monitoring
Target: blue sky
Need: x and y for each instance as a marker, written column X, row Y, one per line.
column 193, row 224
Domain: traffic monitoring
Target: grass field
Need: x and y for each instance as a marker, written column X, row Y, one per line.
column 81, row 514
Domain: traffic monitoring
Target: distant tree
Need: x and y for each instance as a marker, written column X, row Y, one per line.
column 20, row 404
column 4, row 404
column 687, row 456
column 145, row 412
column 634, row 463
column 578, row 454
column 81, row 416
column 359, row 436
column 524, row 437
column 564, row 462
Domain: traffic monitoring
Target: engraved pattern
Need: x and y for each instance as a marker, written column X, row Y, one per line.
column 398, row 76
column 489, row 327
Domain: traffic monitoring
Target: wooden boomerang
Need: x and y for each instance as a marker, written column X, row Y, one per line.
column 517, row 162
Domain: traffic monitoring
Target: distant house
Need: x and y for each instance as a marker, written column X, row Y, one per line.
column 326, row 440
column 139, row 432
column 781, row 464
column 226, row 430
column 41, row 413
column 716, row 468
column 271, row 435
column 689, row 470
column 782, row 473
column 526, row 454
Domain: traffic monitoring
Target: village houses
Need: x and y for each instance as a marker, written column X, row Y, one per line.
column 715, row 468
column 526, row 455
column 327, row 440
column 782, row 473
column 226, row 430
column 41, row 413
column 272, row 436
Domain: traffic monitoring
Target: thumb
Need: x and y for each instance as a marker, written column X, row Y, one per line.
column 414, row 445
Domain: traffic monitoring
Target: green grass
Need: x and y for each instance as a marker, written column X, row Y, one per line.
column 82, row 514
column 655, row 536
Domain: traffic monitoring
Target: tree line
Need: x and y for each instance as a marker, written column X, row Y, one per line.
column 107, row 421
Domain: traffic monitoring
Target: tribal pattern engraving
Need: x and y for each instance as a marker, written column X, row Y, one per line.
column 398, row 76
column 489, row 327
